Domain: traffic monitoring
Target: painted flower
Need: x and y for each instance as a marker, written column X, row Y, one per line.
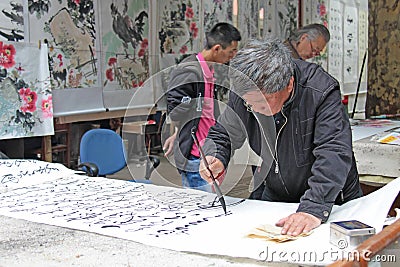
column 183, row 49
column 110, row 75
column 28, row 99
column 112, row 61
column 141, row 52
column 189, row 13
column 322, row 9
column 7, row 53
column 194, row 30
column 47, row 107
column 60, row 58
column 145, row 43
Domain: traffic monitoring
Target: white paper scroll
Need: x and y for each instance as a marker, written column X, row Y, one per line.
column 26, row 172
column 350, row 40
column 335, row 64
column 183, row 219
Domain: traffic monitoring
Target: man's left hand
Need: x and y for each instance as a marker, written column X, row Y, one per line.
column 169, row 145
column 297, row 223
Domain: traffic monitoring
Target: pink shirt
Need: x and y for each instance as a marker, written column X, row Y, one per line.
column 207, row 116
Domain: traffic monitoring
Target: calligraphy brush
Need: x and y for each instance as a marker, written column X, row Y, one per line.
column 217, row 189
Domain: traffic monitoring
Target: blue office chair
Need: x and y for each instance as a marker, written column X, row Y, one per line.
column 102, row 153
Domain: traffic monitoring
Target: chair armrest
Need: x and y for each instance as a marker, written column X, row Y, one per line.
column 152, row 162
column 89, row 168
column 155, row 160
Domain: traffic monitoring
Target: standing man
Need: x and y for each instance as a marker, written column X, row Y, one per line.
column 291, row 112
column 191, row 101
column 309, row 41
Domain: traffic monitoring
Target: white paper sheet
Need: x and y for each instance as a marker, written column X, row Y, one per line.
column 365, row 128
column 350, row 44
column 25, row 172
column 183, row 219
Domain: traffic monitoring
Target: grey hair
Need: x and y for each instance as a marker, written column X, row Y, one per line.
column 312, row 30
column 261, row 65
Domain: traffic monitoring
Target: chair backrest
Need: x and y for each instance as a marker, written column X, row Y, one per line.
column 104, row 148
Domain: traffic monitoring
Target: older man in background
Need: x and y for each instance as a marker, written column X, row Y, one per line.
column 308, row 41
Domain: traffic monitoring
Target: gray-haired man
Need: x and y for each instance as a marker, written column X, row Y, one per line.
column 291, row 113
column 308, row 41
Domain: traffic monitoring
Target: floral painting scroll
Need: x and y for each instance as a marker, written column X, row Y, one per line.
column 178, row 31
column 26, row 107
column 320, row 13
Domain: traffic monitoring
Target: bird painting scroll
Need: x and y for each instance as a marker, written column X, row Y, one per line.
column 125, row 41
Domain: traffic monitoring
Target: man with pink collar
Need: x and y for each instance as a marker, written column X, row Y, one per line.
column 191, row 101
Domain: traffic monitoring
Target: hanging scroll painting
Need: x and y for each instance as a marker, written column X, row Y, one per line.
column 335, row 66
column 26, row 106
column 11, row 21
column 280, row 17
column 306, row 12
column 248, row 20
column 319, row 14
column 362, row 39
column 350, row 43
column 269, row 17
column 125, row 43
column 178, row 30
column 68, row 27
column 217, row 11
column 287, row 17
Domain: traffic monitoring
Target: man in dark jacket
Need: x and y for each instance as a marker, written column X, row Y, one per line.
column 191, row 103
column 291, row 113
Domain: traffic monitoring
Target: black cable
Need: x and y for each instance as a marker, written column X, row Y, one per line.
column 358, row 85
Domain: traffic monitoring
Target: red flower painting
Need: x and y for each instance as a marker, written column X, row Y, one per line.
column 26, row 88
column 322, row 9
column 28, row 99
column 47, row 107
column 194, row 30
column 141, row 52
column 112, row 61
column 183, row 49
column 7, row 53
column 110, row 75
column 189, row 13
column 145, row 43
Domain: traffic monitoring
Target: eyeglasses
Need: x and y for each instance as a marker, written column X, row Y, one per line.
column 315, row 51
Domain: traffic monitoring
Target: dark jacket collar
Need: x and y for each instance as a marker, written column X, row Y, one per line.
column 294, row 93
column 292, row 49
